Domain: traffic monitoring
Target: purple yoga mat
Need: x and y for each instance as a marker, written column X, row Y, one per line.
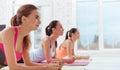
column 77, row 64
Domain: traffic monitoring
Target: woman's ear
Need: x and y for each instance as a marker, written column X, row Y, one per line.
column 72, row 34
column 23, row 19
column 53, row 29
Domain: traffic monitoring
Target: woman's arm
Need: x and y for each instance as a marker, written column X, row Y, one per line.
column 46, row 47
column 8, row 41
column 87, row 57
column 69, row 48
column 28, row 62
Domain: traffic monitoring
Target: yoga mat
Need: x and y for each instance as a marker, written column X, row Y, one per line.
column 77, row 64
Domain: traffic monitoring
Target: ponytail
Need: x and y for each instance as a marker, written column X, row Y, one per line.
column 14, row 20
column 67, row 35
column 56, row 44
column 48, row 31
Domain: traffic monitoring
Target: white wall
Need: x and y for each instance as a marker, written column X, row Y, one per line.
column 62, row 10
column 2, row 14
column 5, row 11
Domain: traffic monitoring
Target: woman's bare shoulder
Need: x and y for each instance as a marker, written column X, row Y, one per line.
column 45, row 40
column 7, row 31
column 65, row 43
column 68, row 41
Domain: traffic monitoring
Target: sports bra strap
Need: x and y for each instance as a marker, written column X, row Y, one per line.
column 15, row 36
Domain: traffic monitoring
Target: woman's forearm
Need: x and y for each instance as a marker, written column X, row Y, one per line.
column 23, row 67
column 82, row 57
column 35, row 64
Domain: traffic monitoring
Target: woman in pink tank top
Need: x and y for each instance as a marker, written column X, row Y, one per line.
column 15, row 40
column 2, row 52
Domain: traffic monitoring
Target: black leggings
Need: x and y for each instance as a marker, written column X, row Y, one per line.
column 2, row 58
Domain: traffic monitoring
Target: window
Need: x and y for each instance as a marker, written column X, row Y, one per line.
column 87, row 23
column 111, row 21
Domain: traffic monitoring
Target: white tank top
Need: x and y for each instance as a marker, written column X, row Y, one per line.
column 38, row 54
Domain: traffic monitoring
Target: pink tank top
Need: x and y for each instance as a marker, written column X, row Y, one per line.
column 18, row 55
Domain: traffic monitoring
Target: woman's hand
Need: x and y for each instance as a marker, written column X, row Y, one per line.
column 53, row 66
column 82, row 57
column 69, row 59
column 60, row 62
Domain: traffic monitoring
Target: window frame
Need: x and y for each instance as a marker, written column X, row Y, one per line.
column 101, row 49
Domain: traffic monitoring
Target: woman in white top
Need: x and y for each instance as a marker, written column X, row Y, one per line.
column 47, row 48
column 38, row 54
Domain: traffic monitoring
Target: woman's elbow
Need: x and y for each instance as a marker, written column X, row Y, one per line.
column 13, row 67
column 28, row 63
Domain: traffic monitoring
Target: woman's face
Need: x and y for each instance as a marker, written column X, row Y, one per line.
column 76, row 35
column 33, row 20
column 59, row 29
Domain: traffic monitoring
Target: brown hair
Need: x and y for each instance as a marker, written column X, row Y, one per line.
column 51, row 25
column 16, row 20
column 69, row 33
column 48, row 29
